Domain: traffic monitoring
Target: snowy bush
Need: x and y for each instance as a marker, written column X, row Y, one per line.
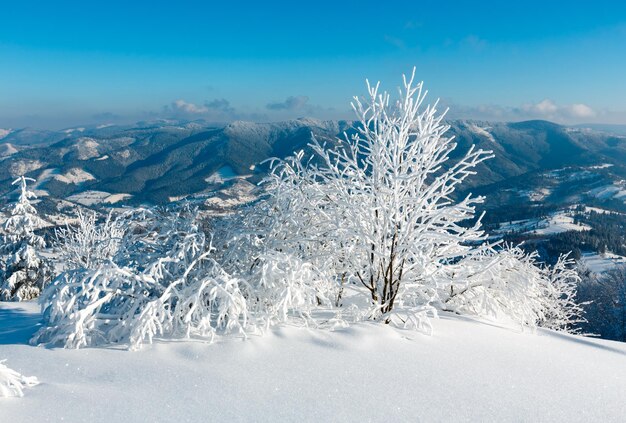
column 510, row 283
column 165, row 284
column 87, row 244
column 563, row 311
column 12, row 383
column 283, row 286
column 25, row 271
column 378, row 211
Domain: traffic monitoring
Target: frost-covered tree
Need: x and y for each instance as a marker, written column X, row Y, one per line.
column 12, row 383
column 378, row 211
column 162, row 281
column 507, row 282
column 25, row 271
column 87, row 243
column 563, row 309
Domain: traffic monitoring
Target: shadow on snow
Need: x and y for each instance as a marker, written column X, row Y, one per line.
column 17, row 325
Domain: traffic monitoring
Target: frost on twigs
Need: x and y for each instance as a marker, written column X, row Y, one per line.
column 87, row 243
column 12, row 383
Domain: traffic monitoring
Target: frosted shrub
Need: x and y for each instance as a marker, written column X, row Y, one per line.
column 87, row 244
column 164, row 284
column 376, row 212
column 283, row 287
column 12, row 383
column 562, row 311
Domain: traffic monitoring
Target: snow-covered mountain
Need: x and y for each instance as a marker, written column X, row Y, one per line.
column 160, row 161
column 540, row 169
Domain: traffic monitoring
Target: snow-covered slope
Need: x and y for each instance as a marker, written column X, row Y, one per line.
column 466, row 371
column 89, row 198
column 602, row 262
column 7, row 149
column 556, row 223
column 4, row 132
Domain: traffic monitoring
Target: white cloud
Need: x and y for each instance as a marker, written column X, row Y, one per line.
column 185, row 107
column 546, row 109
column 474, row 42
column 550, row 110
column 581, row 110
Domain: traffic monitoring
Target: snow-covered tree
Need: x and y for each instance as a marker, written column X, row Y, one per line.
column 378, row 210
column 12, row 383
column 563, row 309
column 25, row 271
column 507, row 282
column 86, row 243
column 161, row 281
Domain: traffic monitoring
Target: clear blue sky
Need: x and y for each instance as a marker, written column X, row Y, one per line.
column 66, row 63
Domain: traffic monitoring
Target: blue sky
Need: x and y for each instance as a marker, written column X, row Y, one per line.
column 67, row 63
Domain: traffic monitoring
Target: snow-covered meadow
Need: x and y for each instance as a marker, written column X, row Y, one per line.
column 467, row 370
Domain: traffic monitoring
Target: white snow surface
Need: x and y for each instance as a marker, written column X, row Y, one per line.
column 467, row 370
column 599, row 263
column 535, row 195
column 22, row 167
column 7, row 149
column 70, row 130
column 4, row 132
column 609, row 191
column 72, row 176
column 89, row 198
column 224, row 174
column 554, row 224
column 481, row 131
column 599, row 210
column 602, row 166
column 558, row 223
column 86, row 148
column 75, row 176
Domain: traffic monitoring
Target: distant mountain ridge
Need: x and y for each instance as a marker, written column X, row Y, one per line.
column 162, row 161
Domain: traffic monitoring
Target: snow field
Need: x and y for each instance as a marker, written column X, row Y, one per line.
column 467, row 370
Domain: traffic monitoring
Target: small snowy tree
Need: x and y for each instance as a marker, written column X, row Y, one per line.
column 12, row 383
column 86, row 243
column 377, row 209
column 563, row 311
column 161, row 281
column 507, row 282
column 26, row 272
